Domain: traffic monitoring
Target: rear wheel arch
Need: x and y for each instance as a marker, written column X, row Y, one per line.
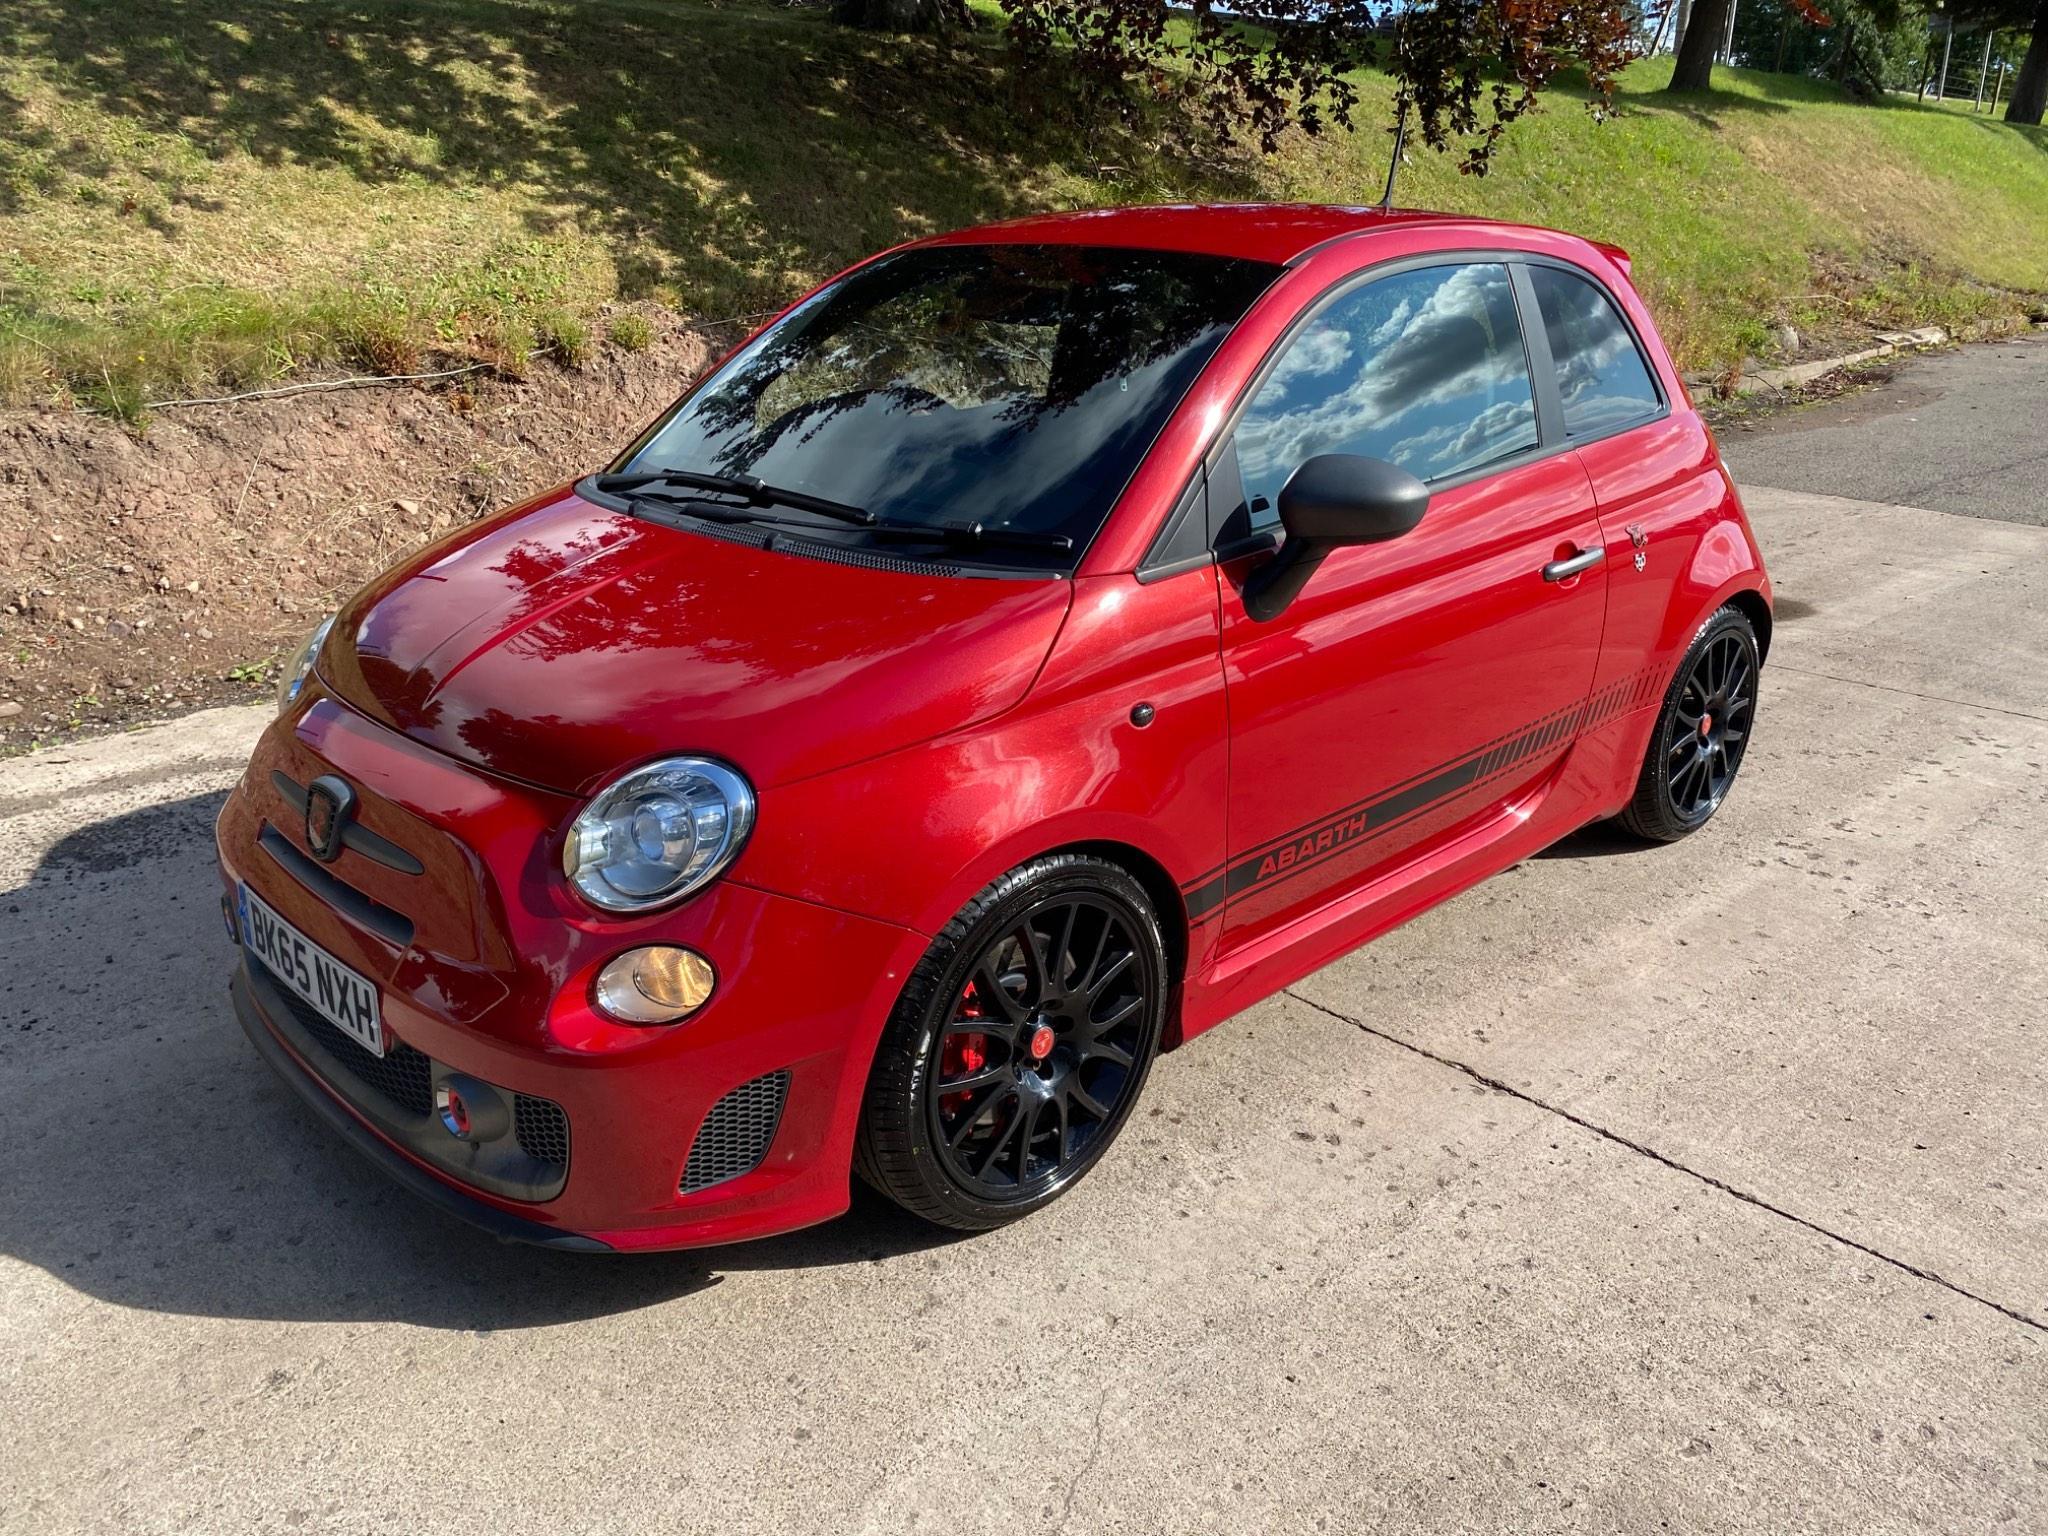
column 1750, row 603
column 1670, row 798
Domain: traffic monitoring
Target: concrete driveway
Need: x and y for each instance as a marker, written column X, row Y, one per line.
column 1696, row 1189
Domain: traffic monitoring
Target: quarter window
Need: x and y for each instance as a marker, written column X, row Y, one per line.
column 1425, row 369
column 1600, row 371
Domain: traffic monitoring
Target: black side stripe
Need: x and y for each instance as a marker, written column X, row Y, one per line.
column 1318, row 841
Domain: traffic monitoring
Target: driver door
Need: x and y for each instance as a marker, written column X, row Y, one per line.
column 1419, row 686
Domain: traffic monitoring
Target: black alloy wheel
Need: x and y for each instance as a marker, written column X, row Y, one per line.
column 1041, row 1049
column 1711, row 727
column 1702, row 732
column 1019, row 1046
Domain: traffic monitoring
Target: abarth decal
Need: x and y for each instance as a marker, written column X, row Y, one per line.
column 1322, row 840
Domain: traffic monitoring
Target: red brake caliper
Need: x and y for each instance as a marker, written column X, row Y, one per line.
column 964, row 1052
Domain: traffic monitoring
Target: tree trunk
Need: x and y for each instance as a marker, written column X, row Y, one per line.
column 1694, row 70
column 2030, row 85
column 898, row 15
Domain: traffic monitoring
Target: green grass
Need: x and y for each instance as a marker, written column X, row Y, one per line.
column 1771, row 198
column 196, row 194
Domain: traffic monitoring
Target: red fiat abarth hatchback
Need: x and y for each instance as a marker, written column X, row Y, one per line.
column 1033, row 647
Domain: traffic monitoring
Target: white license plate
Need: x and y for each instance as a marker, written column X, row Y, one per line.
column 339, row 995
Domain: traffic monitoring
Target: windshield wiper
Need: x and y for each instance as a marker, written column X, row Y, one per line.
column 665, row 509
column 968, row 536
column 754, row 492
column 951, row 535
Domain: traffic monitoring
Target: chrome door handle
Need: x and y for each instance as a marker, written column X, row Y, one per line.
column 1564, row 570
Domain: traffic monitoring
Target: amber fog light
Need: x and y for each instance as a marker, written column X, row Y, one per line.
column 655, row 985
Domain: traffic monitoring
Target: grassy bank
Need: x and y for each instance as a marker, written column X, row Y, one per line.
column 196, row 195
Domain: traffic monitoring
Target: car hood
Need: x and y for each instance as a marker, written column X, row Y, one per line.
column 561, row 642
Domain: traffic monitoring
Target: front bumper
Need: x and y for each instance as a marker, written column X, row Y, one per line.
column 356, row 1132
column 482, row 965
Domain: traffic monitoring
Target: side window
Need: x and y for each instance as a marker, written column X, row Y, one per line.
column 1600, row 372
column 1424, row 369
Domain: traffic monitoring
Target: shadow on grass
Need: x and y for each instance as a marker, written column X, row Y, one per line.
column 1708, row 107
column 726, row 150
column 1774, row 94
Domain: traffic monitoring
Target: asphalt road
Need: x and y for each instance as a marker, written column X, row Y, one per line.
column 1695, row 1189
column 1958, row 431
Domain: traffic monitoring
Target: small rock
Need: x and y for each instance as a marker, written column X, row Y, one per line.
column 125, row 569
column 9, row 710
column 408, row 507
column 76, row 623
column 163, row 583
column 1787, row 338
column 192, row 586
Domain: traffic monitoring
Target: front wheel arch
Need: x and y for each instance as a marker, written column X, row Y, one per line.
column 1168, row 905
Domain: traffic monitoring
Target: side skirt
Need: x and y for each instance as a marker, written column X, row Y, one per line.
column 1591, row 781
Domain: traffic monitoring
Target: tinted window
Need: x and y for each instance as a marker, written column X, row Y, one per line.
column 1012, row 385
column 1600, row 373
column 1424, row 369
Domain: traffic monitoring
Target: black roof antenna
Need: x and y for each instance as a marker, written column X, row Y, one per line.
column 1393, row 165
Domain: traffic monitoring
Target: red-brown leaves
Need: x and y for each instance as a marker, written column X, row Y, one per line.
column 1467, row 68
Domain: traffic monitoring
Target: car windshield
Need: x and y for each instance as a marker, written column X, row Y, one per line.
column 1012, row 386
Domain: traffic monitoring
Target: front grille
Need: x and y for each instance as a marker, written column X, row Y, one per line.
column 736, row 1134
column 402, row 1076
column 541, row 1129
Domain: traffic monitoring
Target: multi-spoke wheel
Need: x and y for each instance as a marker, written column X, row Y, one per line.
column 1019, row 1045
column 1701, row 733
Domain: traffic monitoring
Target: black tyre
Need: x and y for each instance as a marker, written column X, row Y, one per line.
column 1702, row 732
column 1018, row 1047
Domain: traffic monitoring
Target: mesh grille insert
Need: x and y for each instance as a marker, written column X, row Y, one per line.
column 402, row 1077
column 541, row 1129
column 736, row 1134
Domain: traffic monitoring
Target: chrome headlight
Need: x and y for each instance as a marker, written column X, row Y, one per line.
column 656, row 834
column 300, row 667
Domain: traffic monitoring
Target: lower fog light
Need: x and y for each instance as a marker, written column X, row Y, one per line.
column 656, row 985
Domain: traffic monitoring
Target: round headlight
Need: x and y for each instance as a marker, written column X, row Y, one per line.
column 300, row 667
column 658, row 833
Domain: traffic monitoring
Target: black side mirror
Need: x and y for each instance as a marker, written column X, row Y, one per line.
column 1329, row 501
